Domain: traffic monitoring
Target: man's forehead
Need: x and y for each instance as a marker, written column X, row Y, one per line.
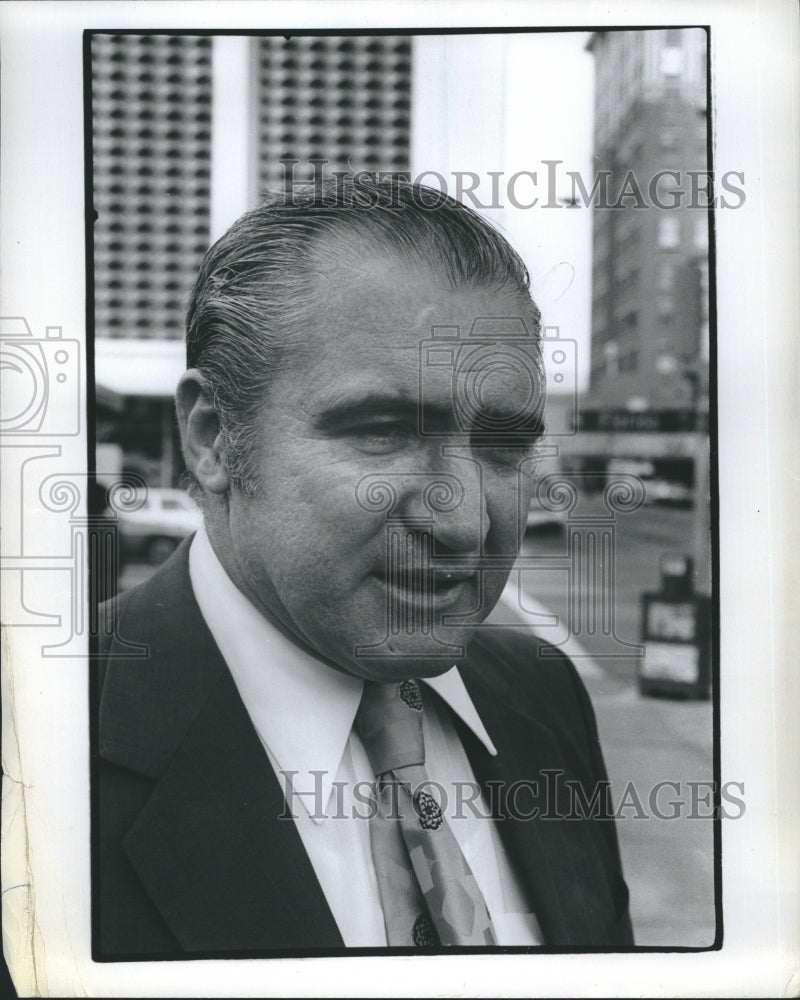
column 381, row 341
column 348, row 267
column 395, row 308
column 389, row 369
column 370, row 321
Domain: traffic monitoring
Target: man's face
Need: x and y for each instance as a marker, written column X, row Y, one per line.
column 379, row 509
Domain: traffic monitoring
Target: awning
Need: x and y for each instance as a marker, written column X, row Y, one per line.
column 139, row 367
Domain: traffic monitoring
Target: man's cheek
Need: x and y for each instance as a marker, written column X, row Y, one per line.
column 507, row 519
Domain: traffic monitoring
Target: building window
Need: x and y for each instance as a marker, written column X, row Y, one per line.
column 598, row 371
column 344, row 99
column 629, row 281
column 701, row 233
column 611, row 351
column 667, row 138
column 633, row 236
column 669, row 233
column 671, row 62
column 665, row 278
column 151, row 109
column 630, row 322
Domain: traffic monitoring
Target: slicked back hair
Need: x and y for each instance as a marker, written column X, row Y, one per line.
column 255, row 284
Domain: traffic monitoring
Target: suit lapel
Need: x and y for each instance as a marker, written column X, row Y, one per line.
column 224, row 871
column 557, row 860
column 216, row 811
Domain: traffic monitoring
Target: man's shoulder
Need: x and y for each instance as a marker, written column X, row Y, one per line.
column 528, row 679
column 516, row 663
column 158, row 664
column 151, row 604
column 517, row 648
column 153, row 632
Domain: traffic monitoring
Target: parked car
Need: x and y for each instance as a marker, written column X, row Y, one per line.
column 157, row 527
column 663, row 491
column 544, row 521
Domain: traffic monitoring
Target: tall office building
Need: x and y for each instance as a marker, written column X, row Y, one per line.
column 345, row 100
column 151, row 118
column 162, row 160
column 650, row 264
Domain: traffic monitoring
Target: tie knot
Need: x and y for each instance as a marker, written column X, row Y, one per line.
column 389, row 722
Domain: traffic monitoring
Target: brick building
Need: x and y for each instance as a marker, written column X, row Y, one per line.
column 649, row 328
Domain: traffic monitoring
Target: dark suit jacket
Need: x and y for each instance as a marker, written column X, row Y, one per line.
column 190, row 857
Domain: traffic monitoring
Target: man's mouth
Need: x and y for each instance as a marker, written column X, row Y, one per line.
column 438, row 589
column 443, row 579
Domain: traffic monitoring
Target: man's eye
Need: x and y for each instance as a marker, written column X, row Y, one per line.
column 509, row 447
column 380, row 438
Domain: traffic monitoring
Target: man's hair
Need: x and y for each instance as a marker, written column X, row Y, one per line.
column 255, row 283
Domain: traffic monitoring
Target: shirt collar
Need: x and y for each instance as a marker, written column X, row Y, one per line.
column 302, row 709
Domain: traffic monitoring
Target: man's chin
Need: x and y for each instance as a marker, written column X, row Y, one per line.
column 405, row 656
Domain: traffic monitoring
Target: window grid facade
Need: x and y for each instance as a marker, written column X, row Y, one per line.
column 345, row 100
column 650, row 117
column 151, row 107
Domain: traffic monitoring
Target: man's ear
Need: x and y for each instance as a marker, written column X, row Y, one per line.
column 200, row 434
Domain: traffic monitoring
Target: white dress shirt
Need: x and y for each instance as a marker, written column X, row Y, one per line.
column 303, row 711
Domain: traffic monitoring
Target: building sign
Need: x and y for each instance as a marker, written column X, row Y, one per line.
column 633, row 422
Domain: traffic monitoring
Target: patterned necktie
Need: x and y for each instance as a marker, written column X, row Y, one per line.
column 428, row 893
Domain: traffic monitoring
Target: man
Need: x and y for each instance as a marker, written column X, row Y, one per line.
column 323, row 745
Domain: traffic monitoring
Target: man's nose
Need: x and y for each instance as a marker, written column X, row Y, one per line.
column 451, row 495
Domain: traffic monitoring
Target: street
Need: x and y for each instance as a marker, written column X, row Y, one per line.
column 642, row 537
column 668, row 862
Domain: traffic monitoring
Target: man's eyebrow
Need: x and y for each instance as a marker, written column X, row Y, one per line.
column 342, row 410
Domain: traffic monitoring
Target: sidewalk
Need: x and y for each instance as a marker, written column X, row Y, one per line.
column 668, row 862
